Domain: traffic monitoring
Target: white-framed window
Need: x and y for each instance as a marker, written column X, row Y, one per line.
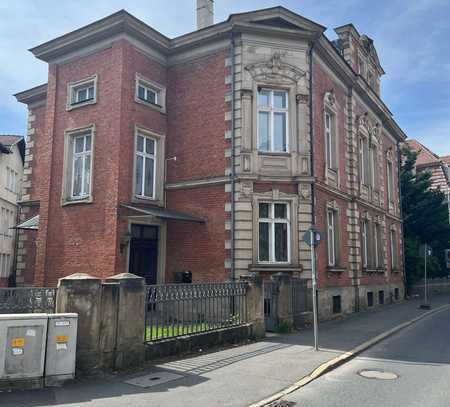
column 364, row 160
column 149, row 93
column 330, row 141
column 390, row 181
column 82, row 92
column 5, row 265
column 274, row 232
column 365, row 243
column 81, row 166
column 11, row 180
column 145, row 166
column 374, row 167
column 332, row 237
column 78, row 165
column 273, row 120
column 393, row 244
column 377, row 245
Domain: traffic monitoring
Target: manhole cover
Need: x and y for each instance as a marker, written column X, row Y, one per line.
column 378, row 374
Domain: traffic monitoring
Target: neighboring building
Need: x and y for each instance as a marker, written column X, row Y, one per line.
column 157, row 156
column 12, row 149
column 437, row 166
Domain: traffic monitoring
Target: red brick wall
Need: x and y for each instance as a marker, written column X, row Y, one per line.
column 39, row 127
column 81, row 237
column 196, row 118
column 288, row 188
column 326, row 279
column 323, row 84
column 199, row 248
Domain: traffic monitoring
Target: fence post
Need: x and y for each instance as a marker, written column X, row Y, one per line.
column 285, row 307
column 82, row 294
column 255, row 303
column 130, row 319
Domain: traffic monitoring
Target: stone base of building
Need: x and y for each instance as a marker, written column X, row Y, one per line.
column 337, row 301
column 4, row 282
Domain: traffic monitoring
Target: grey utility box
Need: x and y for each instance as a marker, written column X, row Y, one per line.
column 61, row 348
column 22, row 349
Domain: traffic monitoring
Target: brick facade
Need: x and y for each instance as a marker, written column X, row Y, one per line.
column 195, row 132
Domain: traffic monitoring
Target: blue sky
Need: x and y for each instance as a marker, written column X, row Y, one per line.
column 411, row 36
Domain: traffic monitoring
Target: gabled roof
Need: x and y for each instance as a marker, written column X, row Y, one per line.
column 425, row 156
column 123, row 22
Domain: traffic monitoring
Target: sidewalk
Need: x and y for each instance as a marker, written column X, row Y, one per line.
column 233, row 377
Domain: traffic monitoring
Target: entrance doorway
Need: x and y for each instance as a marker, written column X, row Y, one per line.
column 144, row 252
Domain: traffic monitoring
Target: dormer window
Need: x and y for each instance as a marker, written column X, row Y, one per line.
column 82, row 93
column 150, row 93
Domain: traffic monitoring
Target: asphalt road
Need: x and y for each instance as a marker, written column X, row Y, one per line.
column 418, row 355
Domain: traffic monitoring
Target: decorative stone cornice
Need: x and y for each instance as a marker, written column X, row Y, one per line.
column 275, row 70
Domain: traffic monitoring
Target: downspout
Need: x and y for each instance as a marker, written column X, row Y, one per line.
column 311, row 131
column 399, row 164
column 233, row 158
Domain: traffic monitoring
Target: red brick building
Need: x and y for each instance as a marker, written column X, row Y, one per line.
column 213, row 152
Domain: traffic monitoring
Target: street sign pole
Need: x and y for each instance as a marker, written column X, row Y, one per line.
column 425, row 305
column 314, row 286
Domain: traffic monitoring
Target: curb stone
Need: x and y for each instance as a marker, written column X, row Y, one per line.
column 341, row 359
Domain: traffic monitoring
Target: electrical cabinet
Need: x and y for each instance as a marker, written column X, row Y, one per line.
column 61, row 348
column 22, row 348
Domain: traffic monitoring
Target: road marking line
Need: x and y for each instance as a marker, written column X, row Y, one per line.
column 345, row 357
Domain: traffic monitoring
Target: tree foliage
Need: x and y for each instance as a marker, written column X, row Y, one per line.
column 426, row 220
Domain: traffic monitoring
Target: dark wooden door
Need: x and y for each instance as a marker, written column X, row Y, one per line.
column 144, row 252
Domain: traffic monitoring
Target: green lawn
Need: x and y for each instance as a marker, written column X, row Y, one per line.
column 153, row 333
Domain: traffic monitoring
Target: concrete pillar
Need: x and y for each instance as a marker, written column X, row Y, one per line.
column 130, row 318
column 284, row 308
column 255, row 303
column 82, row 294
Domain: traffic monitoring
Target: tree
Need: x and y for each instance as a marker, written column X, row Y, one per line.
column 425, row 220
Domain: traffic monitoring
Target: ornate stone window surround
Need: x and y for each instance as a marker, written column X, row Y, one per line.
column 273, row 74
column 334, row 207
column 74, row 87
column 331, row 107
column 159, row 90
column 393, row 243
column 390, row 177
column 158, row 193
column 66, row 192
column 276, row 196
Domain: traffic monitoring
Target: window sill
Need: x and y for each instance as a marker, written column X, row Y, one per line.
column 87, row 200
column 153, row 106
column 275, row 153
column 335, row 269
column 373, row 270
column 73, row 106
column 144, row 200
column 276, row 267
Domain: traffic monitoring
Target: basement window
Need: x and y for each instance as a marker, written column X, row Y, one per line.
column 337, row 304
column 82, row 93
column 396, row 294
column 381, row 297
column 370, row 299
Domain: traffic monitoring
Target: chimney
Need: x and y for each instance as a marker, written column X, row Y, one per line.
column 205, row 13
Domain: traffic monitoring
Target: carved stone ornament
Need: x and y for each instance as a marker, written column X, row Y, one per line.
column 275, row 70
column 302, row 98
column 330, row 98
column 332, row 205
column 305, row 191
column 362, row 122
column 246, row 188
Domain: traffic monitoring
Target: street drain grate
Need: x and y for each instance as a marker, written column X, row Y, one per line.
column 378, row 375
column 282, row 403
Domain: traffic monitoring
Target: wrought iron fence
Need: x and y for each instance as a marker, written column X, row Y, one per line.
column 185, row 309
column 27, row 300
